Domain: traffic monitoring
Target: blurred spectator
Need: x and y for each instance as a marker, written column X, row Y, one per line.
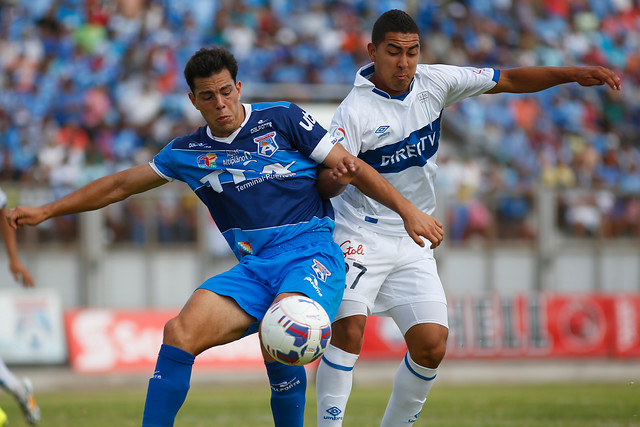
column 86, row 87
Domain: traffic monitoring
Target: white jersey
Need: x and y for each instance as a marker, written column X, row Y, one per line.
column 399, row 136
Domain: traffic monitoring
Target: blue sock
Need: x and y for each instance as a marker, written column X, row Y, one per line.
column 288, row 393
column 168, row 387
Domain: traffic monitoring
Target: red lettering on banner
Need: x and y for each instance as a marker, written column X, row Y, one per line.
column 111, row 341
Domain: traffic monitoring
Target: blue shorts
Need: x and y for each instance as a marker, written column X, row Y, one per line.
column 311, row 264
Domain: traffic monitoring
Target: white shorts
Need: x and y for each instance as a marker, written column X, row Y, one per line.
column 389, row 276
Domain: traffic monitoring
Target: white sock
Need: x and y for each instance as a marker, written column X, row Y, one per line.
column 9, row 381
column 410, row 388
column 334, row 379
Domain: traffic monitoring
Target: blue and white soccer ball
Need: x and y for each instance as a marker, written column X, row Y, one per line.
column 296, row 330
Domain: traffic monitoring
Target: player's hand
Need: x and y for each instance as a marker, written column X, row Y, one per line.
column 345, row 171
column 598, row 76
column 21, row 215
column 21, row 274
column 420, row 224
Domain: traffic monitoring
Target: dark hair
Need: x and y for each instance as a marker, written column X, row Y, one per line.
column 209, row 61
column 393, row 21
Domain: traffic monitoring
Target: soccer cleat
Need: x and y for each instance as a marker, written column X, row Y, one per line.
column 28, row 404
column 3, row 417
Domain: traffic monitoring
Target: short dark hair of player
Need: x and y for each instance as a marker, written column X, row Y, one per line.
column 208, row 61
column 393, row 21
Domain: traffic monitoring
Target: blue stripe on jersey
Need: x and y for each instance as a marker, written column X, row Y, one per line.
column 264, row 105
column 414, row 150
column 496, row 75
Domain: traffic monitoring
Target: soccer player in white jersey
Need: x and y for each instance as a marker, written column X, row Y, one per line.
column 391, row 120
column 20, row 389
column 255, row 167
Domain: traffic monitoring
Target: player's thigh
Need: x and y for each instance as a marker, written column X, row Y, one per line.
column 207, row 320
column 415, row 279
column 316, row 271
column 368, row 258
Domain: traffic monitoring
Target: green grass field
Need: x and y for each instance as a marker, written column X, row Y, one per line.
column 583, row 405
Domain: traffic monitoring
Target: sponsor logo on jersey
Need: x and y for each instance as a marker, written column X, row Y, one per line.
column 267, row 145
column 352, row 250
column 245, row 248
column 238, row 157
column 207, row 161
column 262, row 124
column 321, row 271
column 199, row 145
column 414, row 150
column 307, row 121
column 382, row 131
column 338, row 134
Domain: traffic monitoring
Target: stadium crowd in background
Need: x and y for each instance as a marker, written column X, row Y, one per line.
column 88, row 88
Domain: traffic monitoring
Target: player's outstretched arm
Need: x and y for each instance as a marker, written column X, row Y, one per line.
column 18, row 270
column 372, row 184
column 333, row 181
column 95, row 195
column 535, row 79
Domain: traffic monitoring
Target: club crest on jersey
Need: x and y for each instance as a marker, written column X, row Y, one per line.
column 267, row 144
column 423, row 98
column 245, row 248
column 207, row 161
column 321, row 271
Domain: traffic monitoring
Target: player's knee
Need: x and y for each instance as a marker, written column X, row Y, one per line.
column 429, row 355
column 427, row 344
column 347, row 333
column 176, row 334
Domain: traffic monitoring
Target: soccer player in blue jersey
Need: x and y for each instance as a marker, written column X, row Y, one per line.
column 255, row 168
column 20, row 389
column 391, row 120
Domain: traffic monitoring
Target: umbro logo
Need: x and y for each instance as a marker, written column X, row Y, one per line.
column 334, row 410
column 334, row 414
column 383, row 131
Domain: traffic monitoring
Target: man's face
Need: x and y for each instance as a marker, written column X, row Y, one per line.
column 218, row 99
column 396, row 59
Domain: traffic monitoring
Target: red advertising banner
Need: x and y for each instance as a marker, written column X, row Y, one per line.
column 112, row 340
column 531, row 326
column 526, row 326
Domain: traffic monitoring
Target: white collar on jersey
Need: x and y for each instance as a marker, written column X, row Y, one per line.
column 229, row 139
column 363, row 79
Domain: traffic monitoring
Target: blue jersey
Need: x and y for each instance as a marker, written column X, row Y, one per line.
column 259, row 183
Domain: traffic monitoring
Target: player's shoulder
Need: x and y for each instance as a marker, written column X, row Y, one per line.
column 197, row 139
column 276, row 107
column 277, row 110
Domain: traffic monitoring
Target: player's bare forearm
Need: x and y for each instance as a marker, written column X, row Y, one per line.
column 333, row 181
column 347, row 168
column 8, row 236
column 535, row 79
column 417, row 223
column 18, row 270
column 95, row 195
